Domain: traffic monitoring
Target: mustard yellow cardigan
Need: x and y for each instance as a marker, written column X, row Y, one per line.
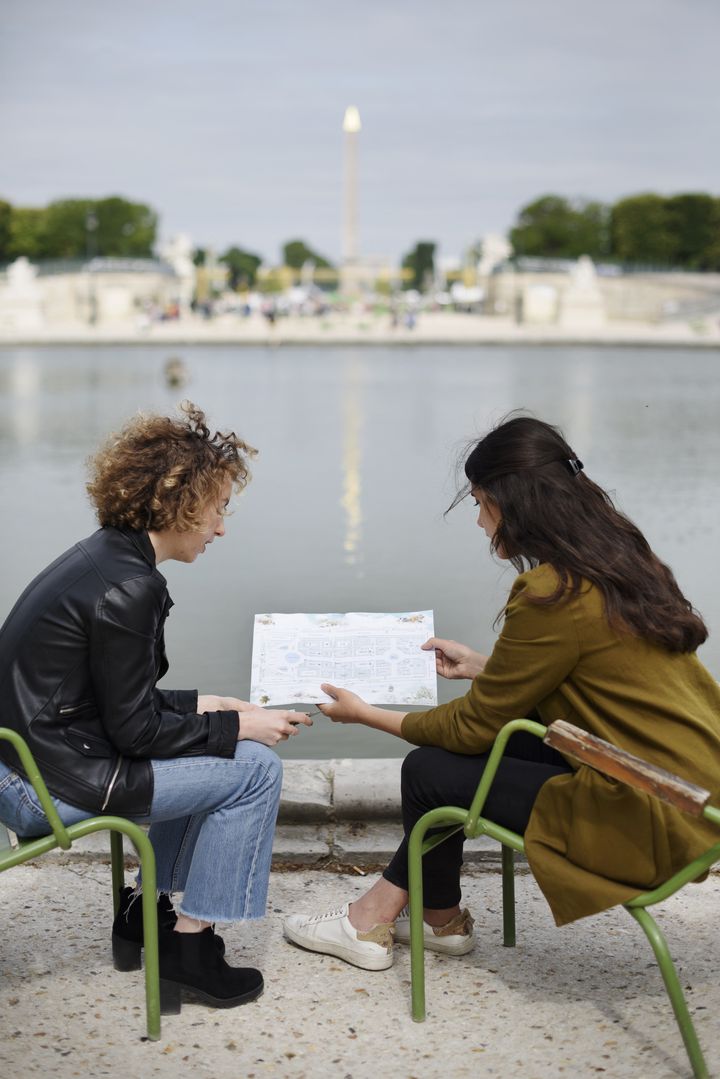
column 591, row 841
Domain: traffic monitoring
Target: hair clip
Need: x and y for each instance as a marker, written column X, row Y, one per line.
column 574, row 465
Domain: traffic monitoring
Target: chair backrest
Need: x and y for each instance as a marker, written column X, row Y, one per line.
column 636, row 772
column 626, row 767
column 33, row 774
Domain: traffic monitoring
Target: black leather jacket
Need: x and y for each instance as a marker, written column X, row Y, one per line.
column 80, row 655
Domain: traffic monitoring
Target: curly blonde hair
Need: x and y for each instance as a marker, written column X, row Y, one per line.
column 161, row 472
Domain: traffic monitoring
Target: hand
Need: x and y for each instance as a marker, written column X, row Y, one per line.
column 346, row 708
column 453, row 660
column 266, row 725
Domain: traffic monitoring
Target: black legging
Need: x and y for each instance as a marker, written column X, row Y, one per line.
column 433, row 777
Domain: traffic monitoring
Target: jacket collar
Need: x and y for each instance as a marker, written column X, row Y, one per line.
column 141, row 540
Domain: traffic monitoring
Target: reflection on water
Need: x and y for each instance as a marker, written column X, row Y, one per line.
column 579, row 393
column 345, row 510
column 23, row 388
column 350, row 501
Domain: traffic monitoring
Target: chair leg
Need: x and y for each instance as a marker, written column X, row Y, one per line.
column 117, row 862
column 417, row 938
column 673, row 988
column 508, row 890
column 146, row 855
column 152, row 960
column 150, row 936
column 417, row 846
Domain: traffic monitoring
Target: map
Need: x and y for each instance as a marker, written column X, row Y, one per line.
column 377, row 656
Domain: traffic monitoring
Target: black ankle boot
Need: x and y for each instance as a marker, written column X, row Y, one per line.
column 191, row 961
column 127, row 930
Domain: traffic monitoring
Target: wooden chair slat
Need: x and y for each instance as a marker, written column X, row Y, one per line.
column 617, row 763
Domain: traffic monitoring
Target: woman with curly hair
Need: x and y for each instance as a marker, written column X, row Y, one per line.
column 596, row 632
column 80, row 657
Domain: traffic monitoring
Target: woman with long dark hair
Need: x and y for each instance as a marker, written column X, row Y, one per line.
column 596, row 632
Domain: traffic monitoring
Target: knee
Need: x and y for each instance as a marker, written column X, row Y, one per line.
column 266, row 764
column 269, row 761
column 417, row 768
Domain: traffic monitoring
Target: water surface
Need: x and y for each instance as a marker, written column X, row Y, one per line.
column 356, row 466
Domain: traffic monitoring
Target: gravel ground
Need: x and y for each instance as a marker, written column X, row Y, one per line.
column 582, row 1001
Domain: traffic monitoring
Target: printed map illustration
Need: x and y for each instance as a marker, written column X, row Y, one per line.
column 375, row 655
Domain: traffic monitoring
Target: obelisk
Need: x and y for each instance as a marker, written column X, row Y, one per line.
column 351, row 127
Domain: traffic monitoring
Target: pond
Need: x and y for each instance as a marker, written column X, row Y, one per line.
column 358, row 448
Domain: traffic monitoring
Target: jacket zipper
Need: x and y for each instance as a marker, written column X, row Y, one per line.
column 69, row 709
column 111, row 784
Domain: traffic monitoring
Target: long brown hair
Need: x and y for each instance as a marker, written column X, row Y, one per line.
column 552, row 512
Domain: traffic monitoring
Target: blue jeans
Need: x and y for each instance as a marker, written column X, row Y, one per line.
column 211, row 826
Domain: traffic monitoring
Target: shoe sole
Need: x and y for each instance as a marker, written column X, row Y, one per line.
column 380, row 962
column 438, row 944
column 174, row 994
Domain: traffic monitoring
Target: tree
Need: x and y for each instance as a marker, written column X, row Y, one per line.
column 710, row 259
column 695, row 223
column 27, row 229
column 125, row 229
column 78, row 228
column 5, row 220
column 242, row 267
column 680, row 230
column 473, row 254
column 555, row 227
column 592, row 230
column 421, row 264
column 65, row 233
column 296, row 253
column 642, row 230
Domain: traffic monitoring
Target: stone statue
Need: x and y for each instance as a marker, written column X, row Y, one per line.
column 21, row 297
column 582, row 306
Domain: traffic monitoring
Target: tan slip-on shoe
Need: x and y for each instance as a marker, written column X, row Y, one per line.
column 456, row 937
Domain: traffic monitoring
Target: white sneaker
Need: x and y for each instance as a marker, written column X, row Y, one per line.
column 454, row 938
column 332, row 934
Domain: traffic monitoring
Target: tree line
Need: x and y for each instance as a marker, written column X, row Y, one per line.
column 77, row 229
column 648, row 229
column 117, row 227
column 680, row 231
column 243, row 266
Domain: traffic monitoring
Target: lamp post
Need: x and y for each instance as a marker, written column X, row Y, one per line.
column 91, row 224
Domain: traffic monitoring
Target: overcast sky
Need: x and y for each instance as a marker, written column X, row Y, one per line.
column 226, row 117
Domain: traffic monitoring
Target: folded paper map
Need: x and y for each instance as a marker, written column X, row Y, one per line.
column 375, row 655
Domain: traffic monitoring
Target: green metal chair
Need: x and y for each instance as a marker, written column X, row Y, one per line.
column 63, row 836
column 612, row 762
